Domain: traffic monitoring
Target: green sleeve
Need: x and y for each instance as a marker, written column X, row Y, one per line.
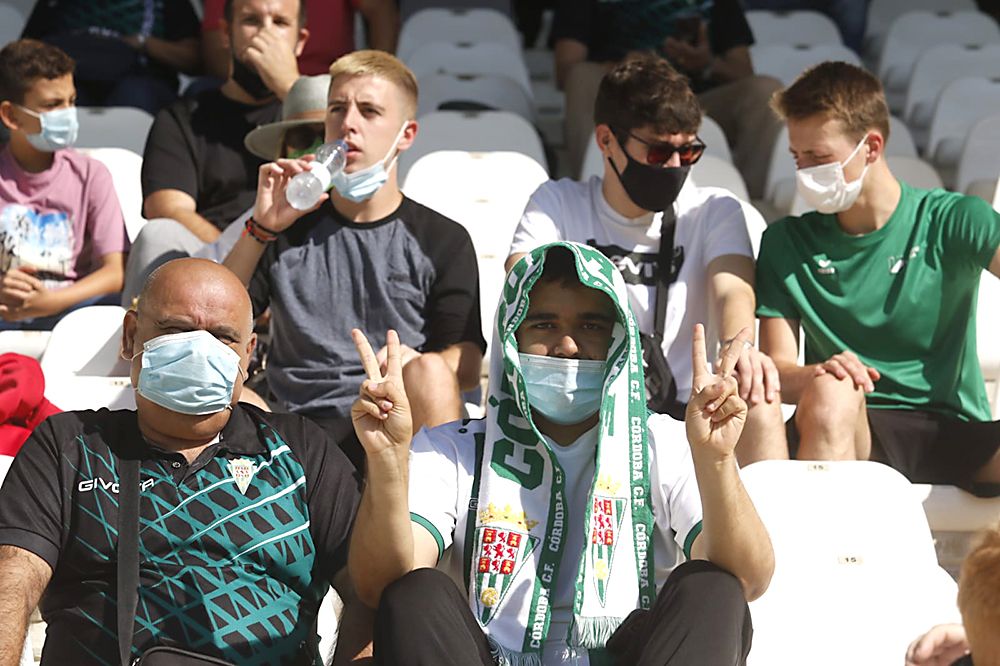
column 776, row 267
column 971, row 231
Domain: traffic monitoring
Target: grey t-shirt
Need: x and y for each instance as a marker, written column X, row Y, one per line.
column 414, row 271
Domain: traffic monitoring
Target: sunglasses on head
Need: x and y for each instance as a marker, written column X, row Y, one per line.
column 659, row 154
column 301, row 137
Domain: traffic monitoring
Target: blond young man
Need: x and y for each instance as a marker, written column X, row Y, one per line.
column 366, row 257
column 979, row 602
column 883, row 279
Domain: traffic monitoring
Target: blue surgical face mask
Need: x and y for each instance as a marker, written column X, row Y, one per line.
column 362, row 184
column 190, row 372
column 59, row 129
column 564, row 390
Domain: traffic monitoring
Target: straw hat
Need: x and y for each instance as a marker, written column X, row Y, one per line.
column 307, row 94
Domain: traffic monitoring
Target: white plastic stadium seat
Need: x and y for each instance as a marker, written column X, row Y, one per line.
column 482, row 91
column 710, row 133
column 856, row 575
column 978, row 166
column 125, row 167
column 934, row 70
column 792, row 27
column 960, row 105
column 987, row 342
column 786, row 61
column 29, row 343
column 441, row 24
column 113, row 127
column 465, row 58
column 711, row 171
column 477, row 131
column 881, row 14
column 486, row 193
column 915, row 32
column 951, row 509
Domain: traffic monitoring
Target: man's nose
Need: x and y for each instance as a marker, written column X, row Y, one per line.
column 566, row 347
column 675, row 160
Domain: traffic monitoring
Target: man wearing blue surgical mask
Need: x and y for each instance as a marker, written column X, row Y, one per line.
column 365, row 257
column 242, row 513
column 556, row 522
column 62, row 235
column 883, row 278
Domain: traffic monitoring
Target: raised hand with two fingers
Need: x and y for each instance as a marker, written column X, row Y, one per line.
column 381, row 414
column 715, row 413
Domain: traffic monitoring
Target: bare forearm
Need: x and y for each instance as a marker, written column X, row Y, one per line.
column 23, row 577
column 181, row 55
column 244, row 257
column 105, row 280
column 466, row 361
column 735, row 537
column 382, row 547
column 735, row 310
column 193, row 222
column 794, row 378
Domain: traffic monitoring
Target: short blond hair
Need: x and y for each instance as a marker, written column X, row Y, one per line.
column 839, row 91
column 979, row 596
column 370, row 62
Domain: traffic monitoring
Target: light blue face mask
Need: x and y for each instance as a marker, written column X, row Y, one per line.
column 564, row 390
column 190, row 372
column 362, row 184
column 59, row 129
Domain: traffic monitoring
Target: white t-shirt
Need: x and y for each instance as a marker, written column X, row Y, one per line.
column 442, row 470
column 711, row 223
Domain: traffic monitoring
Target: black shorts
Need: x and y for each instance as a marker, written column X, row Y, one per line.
column 926, row 447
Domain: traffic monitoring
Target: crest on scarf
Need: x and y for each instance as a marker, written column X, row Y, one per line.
column 242, row 471
column 606, row 517
column 502, row 546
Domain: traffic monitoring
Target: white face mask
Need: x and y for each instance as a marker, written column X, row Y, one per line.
column 364, row 183
column 824, row 187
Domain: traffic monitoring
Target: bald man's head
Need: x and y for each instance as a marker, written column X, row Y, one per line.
column 196, row 282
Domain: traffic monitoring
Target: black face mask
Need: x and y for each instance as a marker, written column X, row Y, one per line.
column 650, row 187
column 248, row 79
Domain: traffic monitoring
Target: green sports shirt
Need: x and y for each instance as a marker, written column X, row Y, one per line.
column 903, row 297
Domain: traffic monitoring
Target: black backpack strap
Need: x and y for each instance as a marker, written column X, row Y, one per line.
column 668, row 266
column 128, row 555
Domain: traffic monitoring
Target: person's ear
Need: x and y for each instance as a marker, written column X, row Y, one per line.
column 301, row 43
column 251, row 345
column 7, row 115
column 604, row 137
column 875, row 146
column 129, row 325
column 409, row 134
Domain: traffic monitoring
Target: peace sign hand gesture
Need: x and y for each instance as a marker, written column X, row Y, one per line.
column 381, row 414
column 716, row 413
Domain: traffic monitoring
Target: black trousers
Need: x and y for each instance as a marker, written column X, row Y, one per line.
column 699, row 617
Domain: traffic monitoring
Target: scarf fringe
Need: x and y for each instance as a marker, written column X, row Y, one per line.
column 593, row 633
column 504, row 657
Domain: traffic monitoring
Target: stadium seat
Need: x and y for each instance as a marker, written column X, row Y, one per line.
column 959, row 107
column 710, row 132
column 29, row 343
column 408, row 8
column 456, row 25
column 479, row 131
column 951, row 509
column 804, row 27
column 914, row 33
column 113, row 127
column 483, row 58
column 490, row 92
column 856, row 575
column 13, row 17
column 712, row 171
column 881, row 14
column 934, row 70
column 486, row 192
column 786, row 61
column 125, row 167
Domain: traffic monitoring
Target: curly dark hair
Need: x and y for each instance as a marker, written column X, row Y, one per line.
column 24, row 61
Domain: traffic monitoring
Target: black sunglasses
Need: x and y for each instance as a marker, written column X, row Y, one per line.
column 301, row 137
column 659, row 154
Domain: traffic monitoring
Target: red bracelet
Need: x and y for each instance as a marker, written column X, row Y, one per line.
column 260, row 234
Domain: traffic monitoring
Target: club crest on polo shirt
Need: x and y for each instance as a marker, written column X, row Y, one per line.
column 243, row 471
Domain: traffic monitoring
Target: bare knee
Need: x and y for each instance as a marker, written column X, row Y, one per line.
column 827, row 418
column 429, row 372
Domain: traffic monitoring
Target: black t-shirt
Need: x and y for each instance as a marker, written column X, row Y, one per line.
column 196, row 146
column 610, row 29
column 229, row 569
column 414, row 271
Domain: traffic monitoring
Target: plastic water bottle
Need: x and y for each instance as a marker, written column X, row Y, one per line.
column 305, row 188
